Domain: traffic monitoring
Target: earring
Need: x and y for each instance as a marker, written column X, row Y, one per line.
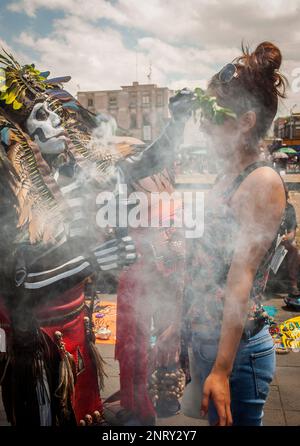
column 247, row 144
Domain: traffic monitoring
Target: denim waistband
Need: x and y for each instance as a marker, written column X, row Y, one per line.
column 259, row 337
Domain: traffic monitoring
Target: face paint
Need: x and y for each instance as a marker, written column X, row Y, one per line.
column 44, row 127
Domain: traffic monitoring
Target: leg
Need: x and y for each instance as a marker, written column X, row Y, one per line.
column 250, row 380
column 292, row 265
column 204, row 356
column 191, row 401
column 252, row 374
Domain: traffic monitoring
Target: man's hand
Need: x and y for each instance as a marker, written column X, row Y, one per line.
column 216, row 387
column 181, row 105
column 115, row 254
column 289, row 236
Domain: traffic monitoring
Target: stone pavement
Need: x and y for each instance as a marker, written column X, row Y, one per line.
column 282, row 407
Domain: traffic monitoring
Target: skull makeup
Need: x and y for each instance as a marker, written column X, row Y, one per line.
column 44, row 127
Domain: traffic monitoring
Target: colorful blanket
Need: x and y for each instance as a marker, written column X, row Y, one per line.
column 104, row 320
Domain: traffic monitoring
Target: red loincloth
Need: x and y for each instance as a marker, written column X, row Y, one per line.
column 86, row 397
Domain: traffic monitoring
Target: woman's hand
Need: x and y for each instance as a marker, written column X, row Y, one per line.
column 216, row 387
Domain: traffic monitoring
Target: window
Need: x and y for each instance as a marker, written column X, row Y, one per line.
column 113, row 101
column 133, row 124
column 114, row 116
column 90, row 102
column 132, row 99
column 146, row 99
column 146, row 119
column 160, row 119
column 147, row 132
column 159, row 100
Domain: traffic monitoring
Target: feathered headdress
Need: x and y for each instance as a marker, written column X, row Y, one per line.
column 39, row 202
column 21, row 86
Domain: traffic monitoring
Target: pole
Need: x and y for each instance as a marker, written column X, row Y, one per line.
column 292, row 121
column 136, row 66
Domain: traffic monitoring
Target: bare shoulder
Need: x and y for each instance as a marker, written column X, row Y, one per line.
column 263, row 189
column 263, row 176
column 263, row 180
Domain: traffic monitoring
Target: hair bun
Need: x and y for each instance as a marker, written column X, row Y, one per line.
column 267, row 57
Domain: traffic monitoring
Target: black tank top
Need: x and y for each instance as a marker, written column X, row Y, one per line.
column 211, row 258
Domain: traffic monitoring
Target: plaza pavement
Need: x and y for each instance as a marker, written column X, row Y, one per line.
column 283, row 404
column 282, row 407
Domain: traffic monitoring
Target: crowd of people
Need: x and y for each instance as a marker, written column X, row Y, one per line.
column 202, row 296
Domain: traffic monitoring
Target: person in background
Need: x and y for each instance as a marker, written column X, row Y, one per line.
column 293, row 262
column 150, row 294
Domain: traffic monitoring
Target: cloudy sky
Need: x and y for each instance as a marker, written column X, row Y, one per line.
column 103, row 44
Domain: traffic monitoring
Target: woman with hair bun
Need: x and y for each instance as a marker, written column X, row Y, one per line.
column 232, row 348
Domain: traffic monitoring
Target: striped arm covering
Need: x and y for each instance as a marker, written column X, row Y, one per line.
column 60, row 268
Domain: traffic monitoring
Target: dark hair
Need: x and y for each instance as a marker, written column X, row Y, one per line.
column 256, row 87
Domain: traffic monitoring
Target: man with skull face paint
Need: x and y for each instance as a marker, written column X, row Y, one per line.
column 52, row 373
column 44, row 127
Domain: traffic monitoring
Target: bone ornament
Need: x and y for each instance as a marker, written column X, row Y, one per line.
column 95, row 420
column 88, row 419
column 166, row 385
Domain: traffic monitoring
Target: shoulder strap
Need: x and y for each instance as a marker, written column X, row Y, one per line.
column 242, row 176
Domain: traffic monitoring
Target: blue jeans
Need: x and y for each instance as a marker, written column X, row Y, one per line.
column 253, row 371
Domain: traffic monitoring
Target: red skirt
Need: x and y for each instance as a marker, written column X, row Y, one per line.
column 66, row 315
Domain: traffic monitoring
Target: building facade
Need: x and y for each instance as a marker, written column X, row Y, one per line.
column 288, row 128
column 141, row 110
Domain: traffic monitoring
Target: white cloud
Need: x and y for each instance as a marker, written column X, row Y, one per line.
column 291, row 69
column 186, row 41
column 30, row 7
column 191, row 66
column 188, row 83
column 96, row 58
column 195, row 21
column 19, row 55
